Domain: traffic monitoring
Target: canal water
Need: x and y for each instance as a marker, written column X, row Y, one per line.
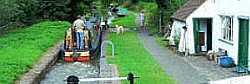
column 61, row 70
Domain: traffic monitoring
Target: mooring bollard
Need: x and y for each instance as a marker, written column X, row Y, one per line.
column 131, row 78
column 75, row 80
column 72, row 79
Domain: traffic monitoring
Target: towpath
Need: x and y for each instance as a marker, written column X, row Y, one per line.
column 173, row 65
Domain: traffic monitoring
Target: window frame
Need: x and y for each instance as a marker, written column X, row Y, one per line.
column 227, row 28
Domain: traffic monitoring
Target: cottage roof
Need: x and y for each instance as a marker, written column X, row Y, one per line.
column 187, row 9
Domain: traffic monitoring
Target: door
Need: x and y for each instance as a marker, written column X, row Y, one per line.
column 195, row 31
column 209, row 34
column 199, row 37
column 243, row 43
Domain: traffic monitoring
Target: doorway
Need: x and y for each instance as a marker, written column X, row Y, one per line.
column 202, row 34
column 243, row 43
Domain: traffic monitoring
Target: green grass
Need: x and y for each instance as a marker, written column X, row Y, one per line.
column 128, row 21
column 160, row 41
column 130, row 56
column 21, row 48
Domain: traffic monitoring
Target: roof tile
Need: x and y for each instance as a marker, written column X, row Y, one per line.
column 187, row 9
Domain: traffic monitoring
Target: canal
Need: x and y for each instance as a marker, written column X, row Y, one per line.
column 61, row 70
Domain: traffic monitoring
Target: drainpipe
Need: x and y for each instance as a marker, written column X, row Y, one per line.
column 186, row 50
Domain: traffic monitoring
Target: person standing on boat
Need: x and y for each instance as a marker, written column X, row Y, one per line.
column 86, row 37
column 78, row 26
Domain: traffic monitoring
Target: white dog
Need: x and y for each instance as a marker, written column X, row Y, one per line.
column 119, row 29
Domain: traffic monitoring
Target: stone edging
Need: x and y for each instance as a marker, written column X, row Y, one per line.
column 39, row 69
column 107, row 70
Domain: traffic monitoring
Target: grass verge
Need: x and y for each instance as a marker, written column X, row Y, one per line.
column 160, row 41
column 130, row 56
column 128, row 21
column 21, row 48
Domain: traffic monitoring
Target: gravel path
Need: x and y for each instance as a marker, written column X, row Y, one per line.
column 173, row 65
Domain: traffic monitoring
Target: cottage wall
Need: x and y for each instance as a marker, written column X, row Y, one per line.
column 214, row 9
column 204, row 11
column 233, row 8
column 176, row 27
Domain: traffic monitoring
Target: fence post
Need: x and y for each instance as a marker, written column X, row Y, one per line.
column 72, row 80
column 131, row 78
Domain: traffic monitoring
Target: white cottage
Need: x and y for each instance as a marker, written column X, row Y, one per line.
column 214, row 25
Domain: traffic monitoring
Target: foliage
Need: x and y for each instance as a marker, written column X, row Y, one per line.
column 160, row 40
column 28, row 12
column 53, row 9
column 6, row 8
column 21, row 48
column 17, row 11
column 162, row 4
column 150, row 10
column 130, row 56
column 176, row 40
column 102, row 8
column 172, row 6
column 80, row 7
column 149, row 7
column 128, row 21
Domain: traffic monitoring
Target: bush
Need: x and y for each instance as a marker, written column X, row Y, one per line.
column 176, row 40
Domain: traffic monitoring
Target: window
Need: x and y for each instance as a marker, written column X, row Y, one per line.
column 227, row 28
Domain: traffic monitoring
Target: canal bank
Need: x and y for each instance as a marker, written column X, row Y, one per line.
column 36, row 74
column 107, row 70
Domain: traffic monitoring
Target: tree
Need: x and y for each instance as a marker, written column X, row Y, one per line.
column 162, row 4
column 167, row 8
column 8, row 10
column 53, row 9
column 30, row 11
column 79, row 7
column 27, row 11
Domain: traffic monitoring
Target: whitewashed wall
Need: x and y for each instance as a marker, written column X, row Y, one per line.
column 233, row 8
column 204, row 11
column 176, row 27
column 213, row 9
